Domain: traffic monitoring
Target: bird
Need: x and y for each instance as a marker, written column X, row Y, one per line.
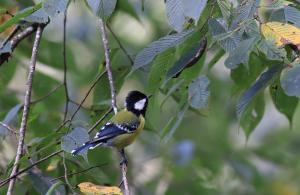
column 123, row 128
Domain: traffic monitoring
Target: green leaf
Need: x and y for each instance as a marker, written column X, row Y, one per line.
column 262, row 82
column 217, row 56
column 102, row 8
column 127, row 7
column 290, row 81
column 271, row 51
column 257, row 64
column 159, row 69
column 226, row 9
column 171, row 91
column 54, row 7
column 5, row 49
column 253, row 114
column 175, row 14
column 246, row 10
column 217, row 28
column 153, row 49
column 9, row 118
column 42, row 183
column 287, row 14
column 22, row 14
column 173, row 125
column 188, row 59
column 40, row 16
column 285, row 104
column 199, row 93
column 75, row 139
column 52, row 189
column 193, row 8
column 241, row 53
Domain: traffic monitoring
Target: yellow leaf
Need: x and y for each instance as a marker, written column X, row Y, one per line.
column 281, row 33
column 90, row 188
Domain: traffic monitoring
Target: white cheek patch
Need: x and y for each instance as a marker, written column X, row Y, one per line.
column 140, row 104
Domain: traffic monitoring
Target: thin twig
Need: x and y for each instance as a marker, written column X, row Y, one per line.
column 87, row 94
column 26, row 107
column 8, row 128
column 120, row 44
column 124, row 178
column 66, row 173
column 76, row 173
column 10, row 36
column 65, row 65
column 108, row 65
column 2, row 183
column 47, row 95
column 113, row 92
column 16, row 40
column 100, row 120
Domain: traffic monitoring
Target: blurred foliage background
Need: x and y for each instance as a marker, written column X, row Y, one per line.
column 183, row 150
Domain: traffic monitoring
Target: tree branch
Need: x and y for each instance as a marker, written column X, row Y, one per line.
column 2, row 183
column 75, row 173
column 15, row 40
column 120, row 45
column 100, row 120
column 113, row 92
column 87, row 94
column 108, row 65
column 26, row 107
column 66, row 173
column 8, row 128
column 65, row 65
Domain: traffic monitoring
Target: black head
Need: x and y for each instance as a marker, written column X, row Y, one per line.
column 136, row 102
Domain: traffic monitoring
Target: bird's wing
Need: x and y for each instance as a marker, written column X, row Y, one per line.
column 124, row 122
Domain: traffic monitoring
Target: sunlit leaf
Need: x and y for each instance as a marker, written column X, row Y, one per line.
column 290, row 81
column 281, row 33
column 90, row 188
column 150, row 52
column 199, row 93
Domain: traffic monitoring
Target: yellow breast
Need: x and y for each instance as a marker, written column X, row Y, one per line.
column 124, row 140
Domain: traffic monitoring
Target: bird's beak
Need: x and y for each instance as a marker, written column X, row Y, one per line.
column 149, row 96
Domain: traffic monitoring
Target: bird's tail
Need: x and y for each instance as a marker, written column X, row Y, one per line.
column 86, row 146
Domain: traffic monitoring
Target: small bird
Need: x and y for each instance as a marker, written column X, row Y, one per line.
column 122, row 129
